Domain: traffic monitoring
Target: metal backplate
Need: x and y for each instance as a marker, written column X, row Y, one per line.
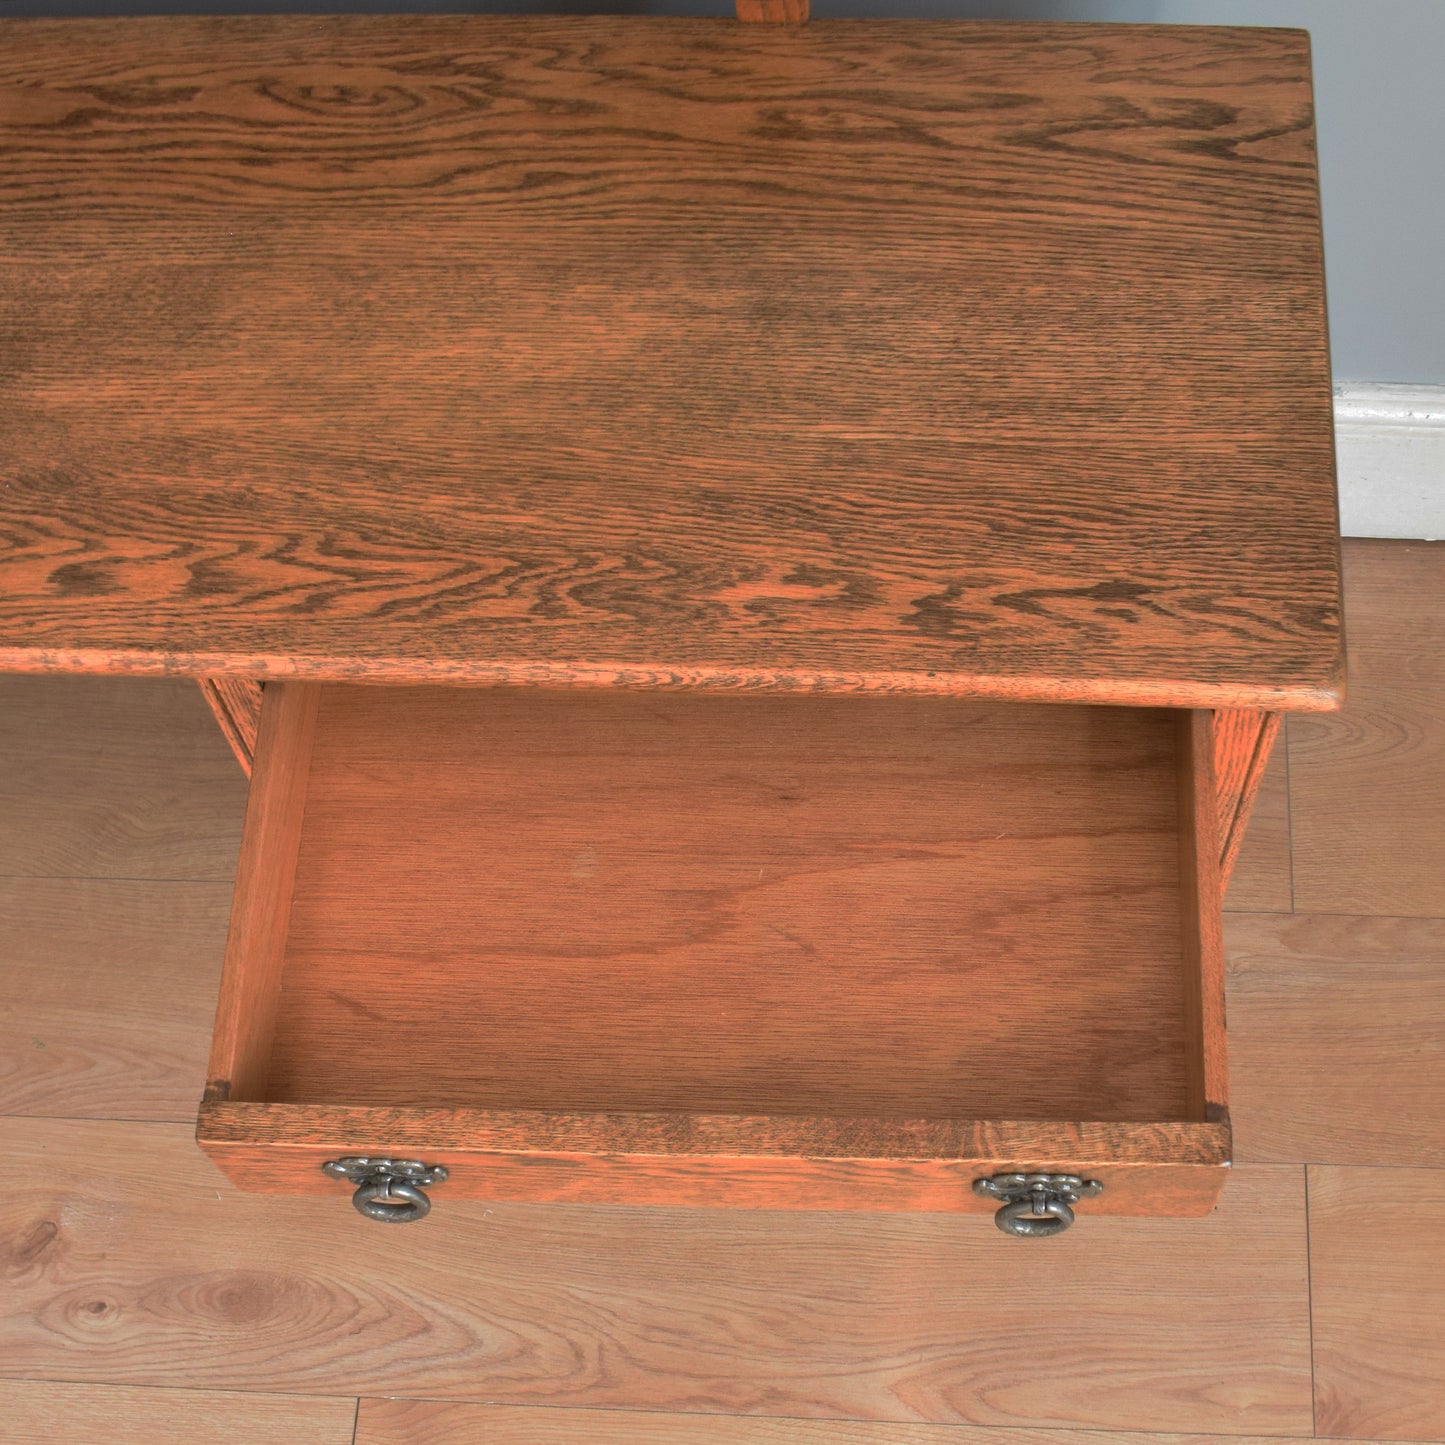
column 388, row 1189
column 359, row 1169
column 1035, row 1206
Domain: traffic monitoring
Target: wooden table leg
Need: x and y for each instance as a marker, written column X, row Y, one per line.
column 1243, row 740
column 236, row 702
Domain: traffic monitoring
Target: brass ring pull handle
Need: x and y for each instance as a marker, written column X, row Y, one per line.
column 388, row 1189
column 1036, row 1206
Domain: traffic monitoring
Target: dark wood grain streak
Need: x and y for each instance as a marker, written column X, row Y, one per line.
column 236, row 703
column 709, row 1161
column 560, row 351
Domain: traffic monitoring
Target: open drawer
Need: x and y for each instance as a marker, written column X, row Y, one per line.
column 762, row 950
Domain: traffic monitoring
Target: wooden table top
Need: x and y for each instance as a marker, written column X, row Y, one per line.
column 950, row 357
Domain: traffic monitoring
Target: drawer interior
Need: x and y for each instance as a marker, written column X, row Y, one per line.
column 690, row 904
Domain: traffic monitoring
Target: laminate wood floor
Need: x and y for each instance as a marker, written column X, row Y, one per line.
column 144, row 1299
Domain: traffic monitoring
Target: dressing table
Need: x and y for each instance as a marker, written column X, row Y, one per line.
column 754, row 568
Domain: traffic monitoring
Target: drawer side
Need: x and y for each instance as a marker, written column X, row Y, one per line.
column 1202, row 903
column 265, row 882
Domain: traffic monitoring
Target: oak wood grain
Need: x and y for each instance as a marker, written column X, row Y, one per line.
column 1244, row 739
column 44, row 1412
column 1262, row 879
column 124, row 1251
column 679, row 1135
column 108, row 777
column 756, row 905
column 1367, row 789
column 1375, row 1277
column 108, row 992
column 236, row 704
column 438, row 1422
column 1201, row 888
column 713, row 1161
column 261, row 907
column 1236, row 741
column 772, row 12
column 559, row 350
column 1337, row 1028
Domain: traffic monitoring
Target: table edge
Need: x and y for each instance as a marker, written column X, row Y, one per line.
column 1323, row 695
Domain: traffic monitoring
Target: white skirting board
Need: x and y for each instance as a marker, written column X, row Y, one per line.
column 1391, row 446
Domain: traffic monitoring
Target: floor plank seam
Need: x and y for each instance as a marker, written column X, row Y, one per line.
column 964, row 1428
column 187, row 1122
column 111, row 878
column 1310, row 1306
column 1321, row 913
column 187, row 1389
column 1288, row 811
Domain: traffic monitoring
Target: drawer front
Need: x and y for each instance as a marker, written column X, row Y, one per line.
column 720, row 1162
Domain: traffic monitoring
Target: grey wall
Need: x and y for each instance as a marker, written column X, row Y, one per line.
column 1380, row 88
column 1380, row 101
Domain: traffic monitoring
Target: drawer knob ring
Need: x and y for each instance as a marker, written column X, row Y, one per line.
column 1035, row 1206
column 388, row 1189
